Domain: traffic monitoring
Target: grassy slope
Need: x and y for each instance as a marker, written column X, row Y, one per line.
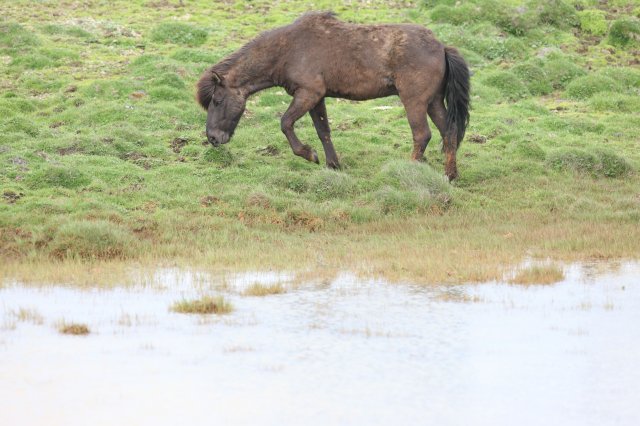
column 102, row 154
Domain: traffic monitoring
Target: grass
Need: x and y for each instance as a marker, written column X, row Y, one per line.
column 545, row 274
column 29, row 315
column 74, row 329
column 261, row 290
column 204, row 305
column 104, row 169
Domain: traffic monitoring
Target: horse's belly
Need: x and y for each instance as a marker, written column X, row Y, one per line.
column 363, row 89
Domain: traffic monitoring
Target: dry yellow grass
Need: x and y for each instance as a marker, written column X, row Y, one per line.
column 75, row 329
column 261, row 290
column 544, row 274
column 205, row 305
column 453, row 248
column 29, row 315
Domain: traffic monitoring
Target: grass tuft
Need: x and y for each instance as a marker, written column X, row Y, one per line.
column 507, row 83
column 29, row 315
column 548, row 274
column 587, row 86
column 15, row 37
column 561, row 70
column 328, row 184
column 557, row 13
column 178, row 33
column 99, row 240
column 412, row 187
column 58, row 176
column 593, row 21
column 205, row 305
column 615, row 102
column 597, row 163
column 261, row 290
column 534, row 77
column 625, row 32
column 74, row 329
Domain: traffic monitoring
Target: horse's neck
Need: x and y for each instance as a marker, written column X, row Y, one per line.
column 251, row 76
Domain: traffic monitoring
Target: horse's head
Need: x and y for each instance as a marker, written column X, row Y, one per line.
column 224, row 106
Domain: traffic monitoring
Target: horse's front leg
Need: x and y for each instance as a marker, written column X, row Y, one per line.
column 303, row 101
column 320, row 121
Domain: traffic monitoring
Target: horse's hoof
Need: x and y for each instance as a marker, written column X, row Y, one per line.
column 334, row 165
column 314, row 157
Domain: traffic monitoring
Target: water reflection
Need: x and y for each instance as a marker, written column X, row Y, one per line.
column 342, row 350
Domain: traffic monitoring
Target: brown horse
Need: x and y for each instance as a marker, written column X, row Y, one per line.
column 318, row 56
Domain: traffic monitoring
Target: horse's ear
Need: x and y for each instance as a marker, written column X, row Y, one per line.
column 216, row 78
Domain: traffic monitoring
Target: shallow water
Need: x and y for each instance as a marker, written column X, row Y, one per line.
column 342, row 351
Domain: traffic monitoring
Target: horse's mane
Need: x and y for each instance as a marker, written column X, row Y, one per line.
column 206, row 85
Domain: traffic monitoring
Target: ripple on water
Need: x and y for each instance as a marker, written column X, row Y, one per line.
column 342, row 351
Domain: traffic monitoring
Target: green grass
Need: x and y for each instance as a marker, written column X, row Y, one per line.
column 103, row 160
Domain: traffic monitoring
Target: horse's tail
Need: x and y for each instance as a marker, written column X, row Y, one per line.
column 456, row 93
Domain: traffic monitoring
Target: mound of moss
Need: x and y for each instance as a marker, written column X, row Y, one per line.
column 557, row 13
column 458, row 14
column 178, row 33
column 507, row 83
column 330, row 184
column 515, row 20
column 408, row 187
column 628, row 77
column 587, row 86
column 625, row 32
column 220, row 156
column 561, row 70
column 615, row 102
column 597, row 163
column 593, row 21
column 534, row 77
column 58, row 176
column 14, row 37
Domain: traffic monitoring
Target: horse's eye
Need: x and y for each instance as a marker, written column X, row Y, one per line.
column 216, row 102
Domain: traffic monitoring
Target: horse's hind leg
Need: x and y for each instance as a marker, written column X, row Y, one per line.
column 438, row 114
column 417, row 116
column 320, row 121
column 303, row 101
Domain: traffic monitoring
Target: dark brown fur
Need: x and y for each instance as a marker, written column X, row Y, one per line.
column 318, row 56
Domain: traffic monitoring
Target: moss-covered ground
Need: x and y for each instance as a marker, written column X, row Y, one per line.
column 103, row 159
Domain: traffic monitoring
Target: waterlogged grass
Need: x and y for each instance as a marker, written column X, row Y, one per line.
column 261, row 290
column 205, row 305
column 538, row 274
column 29, row 315
column 104, row 161
column 73, row 328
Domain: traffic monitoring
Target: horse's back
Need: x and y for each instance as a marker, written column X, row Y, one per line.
column 360, row 61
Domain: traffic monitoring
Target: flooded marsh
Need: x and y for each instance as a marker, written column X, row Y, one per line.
column 336, row 351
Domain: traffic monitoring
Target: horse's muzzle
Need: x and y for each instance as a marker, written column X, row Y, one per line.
column 217, row 138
